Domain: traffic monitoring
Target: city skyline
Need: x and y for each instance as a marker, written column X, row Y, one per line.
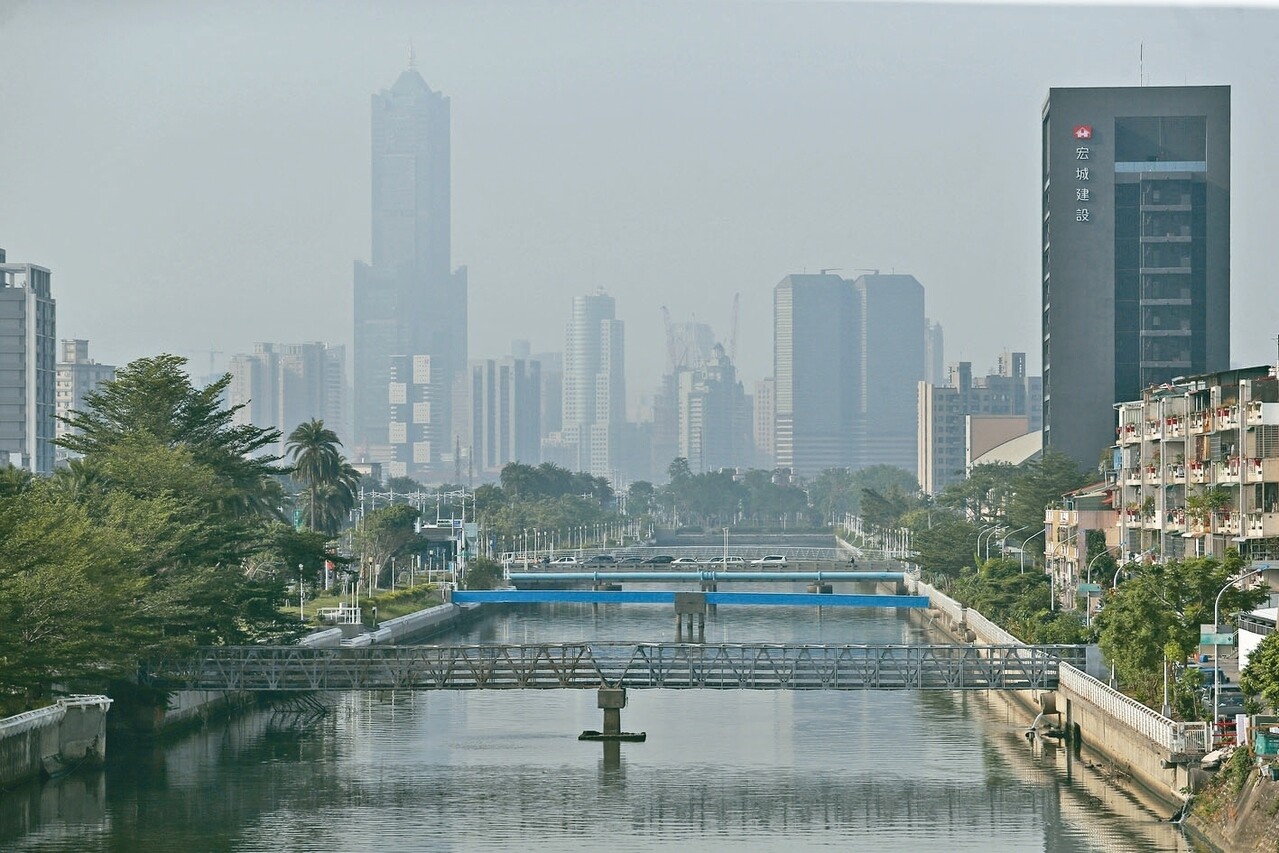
column 542, row 208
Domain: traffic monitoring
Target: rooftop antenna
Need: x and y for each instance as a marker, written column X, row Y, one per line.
column 412, row 56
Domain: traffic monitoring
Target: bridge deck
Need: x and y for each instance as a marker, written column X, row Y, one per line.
column 748, row 666
column 705, row 576
column 645, row 596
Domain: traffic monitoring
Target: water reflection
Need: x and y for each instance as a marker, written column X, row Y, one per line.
column 739, row 770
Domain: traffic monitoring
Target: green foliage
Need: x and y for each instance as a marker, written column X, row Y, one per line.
column 483, row 573
column 525, row 482
column 330, row 482
column 385, row 533
column 1019, row 601
column 160, row 538
column 1153, row 617
column 1261, row 676
column 943, row 541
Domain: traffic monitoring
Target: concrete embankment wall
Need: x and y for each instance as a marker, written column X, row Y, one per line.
column 1127, row 751
column 417, row 625
column 53, row 739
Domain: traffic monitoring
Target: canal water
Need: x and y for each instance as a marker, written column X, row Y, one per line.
column 502, row 770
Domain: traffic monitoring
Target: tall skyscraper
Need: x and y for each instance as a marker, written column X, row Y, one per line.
column 934, row 353
column 408, row 301
column 77, row 375
column 1136, row 250
column 765, row 416
column 28, row 371
column 891, row 313
column 594, row 384
column 846, row 360
column 816, row 370
column 506, row 413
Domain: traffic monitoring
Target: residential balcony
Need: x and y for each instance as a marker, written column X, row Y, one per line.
column 1227, row 417
column 1154, row 429
column 1150, row 474
column 1132, row 476
column 1154, row 521
column 1229, row 471
column 1198, row 472
column 1175, row 472
column 1264, row 470
column 1130, row 517
column 1201, row 422
column 1263, row 525
column 1175, row 427
column 1197, row 527
column 1175, row 520
column 1128, row 434
column 1228, row 524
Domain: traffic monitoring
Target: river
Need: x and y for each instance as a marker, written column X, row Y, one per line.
column 500, row 770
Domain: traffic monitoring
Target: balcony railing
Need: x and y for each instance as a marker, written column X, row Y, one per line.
column 1198, row 472
column 1175, row 520
column 1175, row 427
column 1263, row 525
column 1175, row 472
column 1200, row 422
column 1227, row 417
column 1228, row 471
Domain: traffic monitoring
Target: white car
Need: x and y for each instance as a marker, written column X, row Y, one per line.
column 770, row 560
column 726, row 561
column 684, row 561
column 564, row 561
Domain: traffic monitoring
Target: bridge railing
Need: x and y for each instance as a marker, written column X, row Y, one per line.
column 939, row 600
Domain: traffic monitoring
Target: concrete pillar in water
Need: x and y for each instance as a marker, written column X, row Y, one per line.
column 690, row 604
column 612, row 700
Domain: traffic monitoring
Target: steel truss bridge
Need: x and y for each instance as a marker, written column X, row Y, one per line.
column 548, row 666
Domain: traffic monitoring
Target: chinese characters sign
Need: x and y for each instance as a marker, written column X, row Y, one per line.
column 1083, row 192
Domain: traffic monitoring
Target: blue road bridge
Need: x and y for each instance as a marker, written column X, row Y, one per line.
column 618, row 666
column 705, row 577
column 689, row 602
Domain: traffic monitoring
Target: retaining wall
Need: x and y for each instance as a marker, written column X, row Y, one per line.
column 1153, row 751
column 54, row 739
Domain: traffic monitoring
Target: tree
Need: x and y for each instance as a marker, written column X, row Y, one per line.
column 385, row 533
column 483, row 573
column 942, row 540
column 155, row 396
column 313, row 448
column 1261, row 676
column 1152, row 620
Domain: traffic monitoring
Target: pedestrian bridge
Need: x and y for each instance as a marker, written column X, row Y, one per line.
column 543, row 666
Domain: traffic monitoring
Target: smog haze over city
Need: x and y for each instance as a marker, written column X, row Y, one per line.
column 197, row 176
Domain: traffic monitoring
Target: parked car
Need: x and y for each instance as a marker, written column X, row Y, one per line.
column 564, row 561
column 659, row 560
column 727, row 561
column 599, row 560
column 684, row 561
column 630, row 560
column 770, row 560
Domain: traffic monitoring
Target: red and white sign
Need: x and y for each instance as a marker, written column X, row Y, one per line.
column 1083, row 131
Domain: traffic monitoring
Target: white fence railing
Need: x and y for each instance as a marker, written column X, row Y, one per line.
column 51, row 714
column 1171, row 735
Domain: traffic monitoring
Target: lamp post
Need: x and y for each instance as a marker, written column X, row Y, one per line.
column 1003, row 539
column 1216, row 618
column 1024, row 543
column 989, row 528
column 301, row 598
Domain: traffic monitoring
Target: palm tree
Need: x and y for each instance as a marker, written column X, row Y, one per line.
column 313, row 447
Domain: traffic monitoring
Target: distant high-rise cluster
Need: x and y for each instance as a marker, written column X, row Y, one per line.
column 966, row 416
column 409, row 301
column 28, row 371
column 846, row 361
column 1136, row 250
column 594, row 401
column 283, row 385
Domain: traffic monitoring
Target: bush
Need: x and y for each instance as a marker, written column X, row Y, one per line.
column 483, row 573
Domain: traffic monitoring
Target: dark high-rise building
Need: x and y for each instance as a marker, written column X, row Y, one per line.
column 1136, row 250
column 847, row 357
column 816, row 370
column 891, row 311
column 28, row 367
column 408, row 301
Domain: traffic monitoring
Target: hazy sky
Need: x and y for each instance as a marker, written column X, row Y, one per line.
column 196, row 175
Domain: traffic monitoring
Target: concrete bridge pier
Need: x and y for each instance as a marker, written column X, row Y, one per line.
column 612, row 700
column 687, row 606
column 822, row 587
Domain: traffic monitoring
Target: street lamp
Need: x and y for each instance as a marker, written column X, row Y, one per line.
column 1025, row 543
column 1216, row 618
column 301, row 598
column 989, row 528
column 1003, row 539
